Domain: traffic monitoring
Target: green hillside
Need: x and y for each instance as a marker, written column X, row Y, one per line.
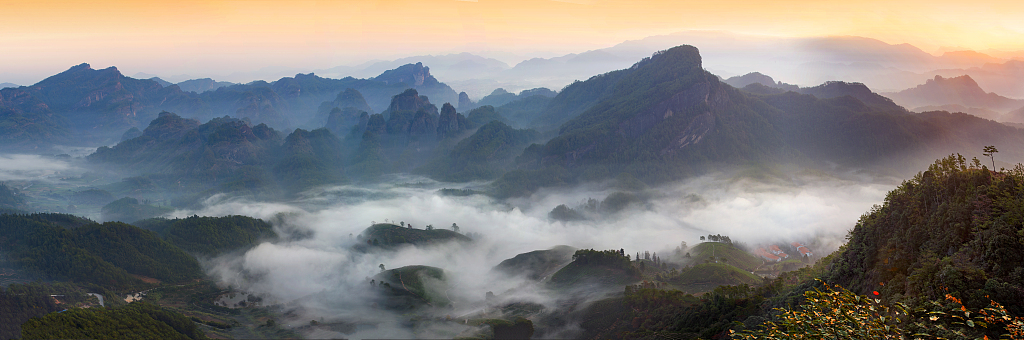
column 104, row 254
column 953, row 229
column 211, row 236
column 707, row 276
column 414, row 286
column 483, row 155
column 389, row 236
column 732, row 255
column 606, row 268
column 950, row 235
column 536, row 264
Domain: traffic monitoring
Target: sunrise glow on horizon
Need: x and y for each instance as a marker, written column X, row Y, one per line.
column 44, row 37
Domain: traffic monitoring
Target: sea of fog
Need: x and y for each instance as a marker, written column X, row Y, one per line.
column 313, row 265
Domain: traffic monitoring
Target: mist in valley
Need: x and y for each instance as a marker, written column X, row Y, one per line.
column 315, row 271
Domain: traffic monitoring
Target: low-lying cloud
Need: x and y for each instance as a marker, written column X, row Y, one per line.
column 314, row 266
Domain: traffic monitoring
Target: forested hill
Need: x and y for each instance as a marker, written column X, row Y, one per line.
column 106, row 254
column 946, row 242
column 953, row 229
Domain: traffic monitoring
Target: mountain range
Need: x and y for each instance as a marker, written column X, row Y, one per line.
column 662, row 119
column 98, row 106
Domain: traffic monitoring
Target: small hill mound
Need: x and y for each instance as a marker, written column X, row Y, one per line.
column 707, row 276
column 609, row 267
column 389, row 236
column 720, row 250
column 536, row 264
column 412, row 286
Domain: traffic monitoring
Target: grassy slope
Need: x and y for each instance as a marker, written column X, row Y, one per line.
column 735, row 256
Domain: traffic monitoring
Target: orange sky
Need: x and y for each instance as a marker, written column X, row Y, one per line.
column 45, row 37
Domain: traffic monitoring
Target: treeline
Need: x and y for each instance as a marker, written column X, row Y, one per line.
column 617, row 258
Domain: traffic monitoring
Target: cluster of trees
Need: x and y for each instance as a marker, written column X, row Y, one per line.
column 717, row 238
column 601, row 257
column 387, row 235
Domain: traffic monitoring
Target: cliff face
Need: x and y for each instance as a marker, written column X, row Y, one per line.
column 410, row 74
column 666, row 105
column 464, row 102
column 450, row 123
column 418, row 77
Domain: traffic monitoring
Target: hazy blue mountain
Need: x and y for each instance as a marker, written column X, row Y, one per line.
column 162, row 82
column 962, row 90
column 523, row 112
column 87, row 106
column 220, row 151
column 835, row 89
column 484, row 155
column 202, row 85
column 131, row 133
column 343, row 112
column 6, row 85
column 309, row 159
column 103, row 103
column 758, row 78
column 450, row 66
column 667, row 118
column 26, row 122
column 500, row 97
column 974, row 111
column 418, row 77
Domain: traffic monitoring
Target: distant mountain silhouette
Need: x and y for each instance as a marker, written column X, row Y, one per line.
column 500, row 97
column 1015, row 116
column 202, row 85
column 87, row 106
column 974, row 111
column 758, row 78
column 961, row 90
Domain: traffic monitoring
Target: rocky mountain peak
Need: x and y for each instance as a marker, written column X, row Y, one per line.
column 411, row 74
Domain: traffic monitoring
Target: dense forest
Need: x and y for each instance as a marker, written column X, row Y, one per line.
column 133, row 321
column 211, row 236
column 107, row 254
column 21, row 302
